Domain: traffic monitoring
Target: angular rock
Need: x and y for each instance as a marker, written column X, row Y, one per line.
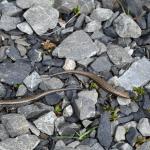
column 68, row 111
column 23, row 142
column 144, row 127
column 118, row 55
column 77, row 46
column 125, row 26
column 102, row 47
column 120, row 133
column 34, row 110
column 22, row 49
column 3, row 55
column 101, row 14
column 126, row 146
column 46, row 123
column 10, row 9
column 29, row 3
column 104, row 131
column 2, row 90
column 69, row 64
column 137, row 75
column 93, row 26
column 123, row 101
column 84, row 108
column 22, row 90
column 15, row 124
column 97, row 146
column 13, row 53
column 3, row 133
column 32, row 81
column 80, row 21
column 98, row 66
column 40, row 19
column 35, row 55
column 14, row 73
column 25, row 27
column 8, row 23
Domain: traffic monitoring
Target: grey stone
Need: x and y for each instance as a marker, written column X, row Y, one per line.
column 68, row 111
column 22, row 49
column 22, row 41
column 120, row 134
column 23, row 142
column 3, row 55
column 144, row 127
column 126, row 119
column 32, row 81
column 144, row 146
column 69, row 64
column 86, row 62
column 29, row 3
column 14, row 73
column 109, row 22
column 34, row 130
column 148, row 20
column 126, row 146
column 118, row 55
column 46, row 122
column 8, row 23
column 40, row 19
column 77, row 46
column 79, row 21
column 85, row 108
column 98, row 64
column 104, row 131
column 15, row 124
column 35, row 55
column 67, row 30
column 97, row 146
column 25, row 27
column 2, row 90
column 34, row 110
column 22, row 90
column 93, row 95
column 131, row 136
column 146, row 104
column 108, row 4
column 3, row 133
column 123, row 101
column 101, row 14
column 137, row 75
column 10, row 9
column 93, row 26
column 52, row 83
column 83, row 147
column 13, row 53
column 125, row 26
column 102, row 47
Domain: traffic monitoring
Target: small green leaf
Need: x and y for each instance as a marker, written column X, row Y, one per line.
column 76, row 10
column 139, row 90
column 93, row 85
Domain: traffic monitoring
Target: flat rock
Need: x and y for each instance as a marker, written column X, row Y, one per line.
column 14, row 73
column 32, row 81
column 2, row 90
column 120, row 133
column 3, row 132
column 144, row 127
column 22, row 90
column 125, row 26
column 15, row 124
column 77, row 46
column 46, row 123
column 34, row 110
column 23, row 142
column 118, row 55
column 25, row 27
column 40, row 19
column 104, row 131
column 8, row 23
column 93, row 26
column 29, row 3
column 137, row 75
column 101, row 14
column 98, row 64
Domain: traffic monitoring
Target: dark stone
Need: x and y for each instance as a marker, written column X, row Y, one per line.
column 13, row 53
column 146, row 102
column 14, row 73
column 104, row 131
column 35, row 55
column 148, row 20
column 131, row 136
column 125, row 119
column 53, row 99
column 138, row 115
column 110, row 32
column 141, row 22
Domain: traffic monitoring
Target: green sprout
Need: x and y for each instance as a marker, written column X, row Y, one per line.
column 113, row 112
column 93, row 85
column 76, row 10
column 79, row 136
column 58, row 109
column 139, row 91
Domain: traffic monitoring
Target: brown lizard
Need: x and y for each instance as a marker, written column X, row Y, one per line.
column 100, row 81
